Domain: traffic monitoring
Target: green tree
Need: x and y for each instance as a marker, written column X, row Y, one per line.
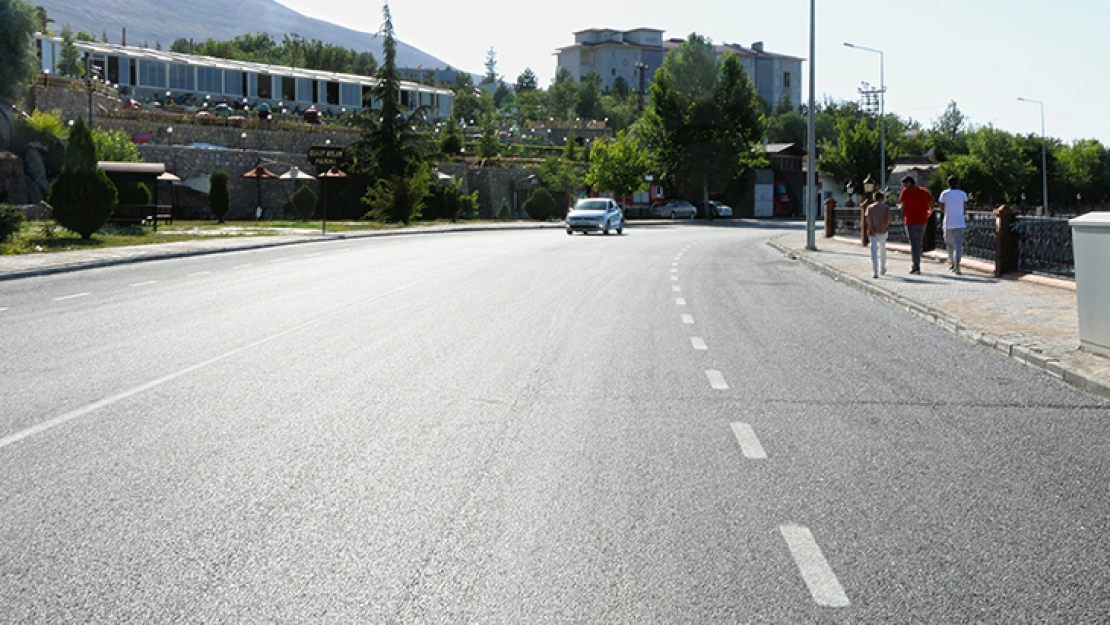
column 180, row 45
column 948, row 136
column 589, row 96
column 531, row 105
column 219, row 194
column 787, row 127
column 491, row 68
column 397, row 199
column 18, row 21
column 618, row 166
column 562, row 97
column 540, row 205
column 855, row 155
column 293, row 46
column 70, row 63
column 705, row 121
column 560, row 174
column 451, row 140
column 526, row 81
column 501, row 94
column 389, row 147
column 115, row 145
column 620, row 88
column 82, row 196
column 488, row 146
column 1085, row 170
column 994, row 169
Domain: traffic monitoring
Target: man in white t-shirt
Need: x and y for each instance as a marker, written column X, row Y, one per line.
column 953, row 201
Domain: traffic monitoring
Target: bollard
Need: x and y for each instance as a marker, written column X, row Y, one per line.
column 830, row 218
column 1005, row 242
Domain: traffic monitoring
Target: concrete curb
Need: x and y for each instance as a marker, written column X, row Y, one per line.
column 1022, row 353
column 256, row 243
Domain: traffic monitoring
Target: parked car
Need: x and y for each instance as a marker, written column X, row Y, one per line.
column 676, row 209
column 595, row 215
column 716, row 209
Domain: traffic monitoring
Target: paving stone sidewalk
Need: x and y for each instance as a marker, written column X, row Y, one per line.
column 1031, row 319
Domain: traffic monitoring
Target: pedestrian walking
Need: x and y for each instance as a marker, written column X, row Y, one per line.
column 953, row 203
column 876, row 219
column 916, row 203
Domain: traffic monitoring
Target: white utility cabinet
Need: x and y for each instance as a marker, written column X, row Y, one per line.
column 1091, row 239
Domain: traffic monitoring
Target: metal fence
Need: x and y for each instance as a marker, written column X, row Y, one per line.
column 980, row 238
column 1045, row 246
column 848, row 221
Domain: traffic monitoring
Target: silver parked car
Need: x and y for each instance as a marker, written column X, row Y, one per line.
column 595, row 215
column 716, row 209
column 678, row 209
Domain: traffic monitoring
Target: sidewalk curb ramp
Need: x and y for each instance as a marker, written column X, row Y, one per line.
column 1020, row 352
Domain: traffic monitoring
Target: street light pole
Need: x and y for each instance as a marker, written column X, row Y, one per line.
column 1044, row 155
column 811, row 136
column 882, row 111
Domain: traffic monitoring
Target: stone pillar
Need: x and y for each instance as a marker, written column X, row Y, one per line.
column 864, row 240
column 1005, row 242
column 830, row 218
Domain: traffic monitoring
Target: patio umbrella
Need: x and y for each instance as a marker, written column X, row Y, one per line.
column 172, row 180
column 259, row 174
column 332, row 174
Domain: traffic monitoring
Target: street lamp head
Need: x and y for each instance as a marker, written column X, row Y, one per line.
column 868, row 184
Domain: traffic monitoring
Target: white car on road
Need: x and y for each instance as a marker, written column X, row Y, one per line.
column 677, row 209
column 595, row 215
column 716, row 209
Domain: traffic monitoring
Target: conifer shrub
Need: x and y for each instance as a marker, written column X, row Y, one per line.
column 11, row 220
column 82, row 196
column 304, row 203
column 219, row 195
column 541, row 206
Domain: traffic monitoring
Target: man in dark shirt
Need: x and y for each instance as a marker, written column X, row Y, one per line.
column 916, row 203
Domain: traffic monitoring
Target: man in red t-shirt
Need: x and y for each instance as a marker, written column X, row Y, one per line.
column 917, row 204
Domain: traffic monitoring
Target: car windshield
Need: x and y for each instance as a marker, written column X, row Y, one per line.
column 596, row 205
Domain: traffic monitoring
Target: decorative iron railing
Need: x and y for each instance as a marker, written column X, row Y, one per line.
column 981, row 238
column 1045, row 246
column 847, row 221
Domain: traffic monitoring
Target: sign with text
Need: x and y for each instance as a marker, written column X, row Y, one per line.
column 325, row 155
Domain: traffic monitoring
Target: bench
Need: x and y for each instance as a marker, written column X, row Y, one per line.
column 142, row 214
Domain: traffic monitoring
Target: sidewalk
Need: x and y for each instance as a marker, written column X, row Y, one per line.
column 1032, row 319
column 28, row 265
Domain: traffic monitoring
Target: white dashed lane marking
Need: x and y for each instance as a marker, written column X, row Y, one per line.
column 147, row 283
column 818, row 575
column 243, row 266
column 749, row 442
column 3, row 309
column 674, row 277
column 688, row 319
column 698, row 343
column 680, row 301
column 676, row 289
column 716, row 380
column 199, row 273
column 74, row 296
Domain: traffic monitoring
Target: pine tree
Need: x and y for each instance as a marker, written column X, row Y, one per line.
column 82, row 196
column 70, row 65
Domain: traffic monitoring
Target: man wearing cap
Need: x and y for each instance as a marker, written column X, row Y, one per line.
column 916, row 203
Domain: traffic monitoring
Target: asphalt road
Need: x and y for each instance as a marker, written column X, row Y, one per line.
column 677, row 425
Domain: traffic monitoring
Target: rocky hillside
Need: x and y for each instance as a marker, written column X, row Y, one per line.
column 160, row 21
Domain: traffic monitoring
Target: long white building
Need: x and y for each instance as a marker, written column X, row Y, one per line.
column 145, row 74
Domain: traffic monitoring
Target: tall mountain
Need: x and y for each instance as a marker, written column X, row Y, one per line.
column 160, row 21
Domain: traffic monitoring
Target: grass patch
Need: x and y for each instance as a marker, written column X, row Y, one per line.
column 41, row 237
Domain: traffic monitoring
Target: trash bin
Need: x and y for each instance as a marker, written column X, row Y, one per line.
column 1091, row 240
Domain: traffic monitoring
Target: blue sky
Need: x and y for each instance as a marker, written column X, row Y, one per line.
column 983, row 54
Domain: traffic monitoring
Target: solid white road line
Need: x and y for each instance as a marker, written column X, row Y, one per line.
column 74, row 296
column 816, row 572
column 716, row 380
column 147, row 283
column 688, row 319
column 680, row 301
column 699, row 343
column 199, row 273
column 749, row 442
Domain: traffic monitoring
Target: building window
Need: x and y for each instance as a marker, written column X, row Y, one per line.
column 181, row 78
column 613, row 71
column 152, row 74
column 233, row 82
column 210, row 79
column 786, row 80
column 265, row 86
